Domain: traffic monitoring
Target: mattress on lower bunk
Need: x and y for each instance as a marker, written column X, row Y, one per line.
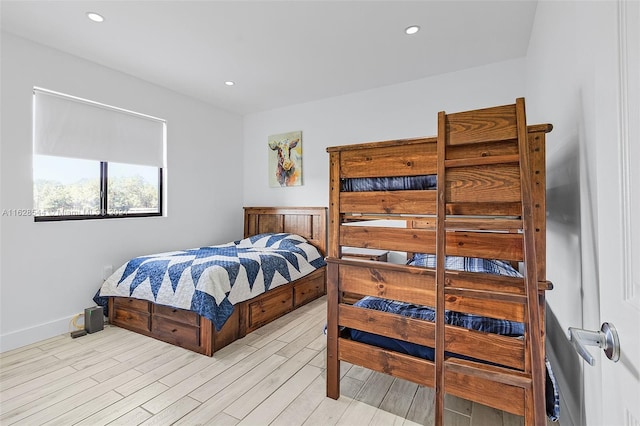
column 397, row 183
column 470, row 321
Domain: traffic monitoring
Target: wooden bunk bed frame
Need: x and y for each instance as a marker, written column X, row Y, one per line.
column 191, row 331
column 489, row 203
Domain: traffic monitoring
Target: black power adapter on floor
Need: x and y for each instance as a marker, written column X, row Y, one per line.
column 78, row 333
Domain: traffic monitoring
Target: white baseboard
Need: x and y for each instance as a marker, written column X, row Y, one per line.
column 26, row 336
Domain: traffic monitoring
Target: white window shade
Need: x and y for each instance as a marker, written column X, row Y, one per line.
column 71, row 127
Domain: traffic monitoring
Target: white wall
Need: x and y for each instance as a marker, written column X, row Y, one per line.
column 570, row 85
column 50, row 271
column 391, row 112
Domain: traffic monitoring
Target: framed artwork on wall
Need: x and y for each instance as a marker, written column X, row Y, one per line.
column 285, row 159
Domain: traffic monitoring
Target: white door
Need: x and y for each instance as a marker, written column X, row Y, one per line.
column 618, row 251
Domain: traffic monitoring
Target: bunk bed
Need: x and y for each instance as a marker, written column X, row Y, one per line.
column 265, row 230
column 472, row 195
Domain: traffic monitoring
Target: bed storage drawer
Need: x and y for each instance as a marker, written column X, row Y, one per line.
column 178, row 315
column 264, row 310
column 132, row 314
column 308, row 291
column 131, row 304
column 175, row 332
column 137, row 321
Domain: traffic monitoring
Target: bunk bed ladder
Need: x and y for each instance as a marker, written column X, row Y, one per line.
column 471, row 132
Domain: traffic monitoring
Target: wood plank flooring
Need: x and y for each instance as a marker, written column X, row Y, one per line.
column 274, row 376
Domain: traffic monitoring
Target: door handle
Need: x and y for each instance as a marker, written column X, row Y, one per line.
column 606, row 338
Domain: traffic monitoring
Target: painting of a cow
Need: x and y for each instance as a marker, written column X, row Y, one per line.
column 286, row 167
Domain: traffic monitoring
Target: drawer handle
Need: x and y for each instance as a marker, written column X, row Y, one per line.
column 174, row 330
column 174, row 311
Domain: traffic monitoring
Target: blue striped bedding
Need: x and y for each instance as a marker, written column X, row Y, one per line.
column 396, row 183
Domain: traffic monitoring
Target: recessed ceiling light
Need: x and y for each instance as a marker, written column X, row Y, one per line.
column 95, row 17
column 229, row 83
column 412, row 29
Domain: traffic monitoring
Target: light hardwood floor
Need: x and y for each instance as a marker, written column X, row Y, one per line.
column 272, row 376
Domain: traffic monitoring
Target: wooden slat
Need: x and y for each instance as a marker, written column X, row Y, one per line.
column 485, row 245
column 479, row 224
column 481, row 125
column 299, row 224
column 492, row 386
column 494, row 305
column 482, row 161
column 466, row 223
column 395, row 326
column 485, row 209
column 389, row 161
column 396, row 282
column 496, row 373
column 487, row 282
column 406, row 367
column 389, row 202
column 483, row 149
column 352, row 218
column 400, row 239
column 381, row 144
column 495, row 183
column 503, row 350
column 270, row 223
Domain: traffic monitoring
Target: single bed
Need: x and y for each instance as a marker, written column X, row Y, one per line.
column 475, row 191
column 277, row 243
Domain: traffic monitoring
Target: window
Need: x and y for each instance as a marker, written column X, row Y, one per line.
column 93, row 161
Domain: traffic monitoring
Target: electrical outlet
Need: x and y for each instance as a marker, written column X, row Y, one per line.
column 107, row 270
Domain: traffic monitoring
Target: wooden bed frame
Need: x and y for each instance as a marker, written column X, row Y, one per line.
column 489, row 203
column 191, row 331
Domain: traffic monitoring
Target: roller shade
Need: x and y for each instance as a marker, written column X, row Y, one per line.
column 65, row 126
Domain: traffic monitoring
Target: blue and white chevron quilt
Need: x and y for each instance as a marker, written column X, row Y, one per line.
column 210, row 280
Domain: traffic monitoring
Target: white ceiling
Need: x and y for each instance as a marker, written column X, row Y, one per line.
column 279, row 53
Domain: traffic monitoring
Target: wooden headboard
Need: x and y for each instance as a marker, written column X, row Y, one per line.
column 308, row 222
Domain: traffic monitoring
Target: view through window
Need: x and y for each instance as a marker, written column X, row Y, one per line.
column 94, row 161
column 73, row 187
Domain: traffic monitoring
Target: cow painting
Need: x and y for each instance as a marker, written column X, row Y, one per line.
column 287, row 170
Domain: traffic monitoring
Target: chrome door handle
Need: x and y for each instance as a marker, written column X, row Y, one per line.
column 606, row 338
